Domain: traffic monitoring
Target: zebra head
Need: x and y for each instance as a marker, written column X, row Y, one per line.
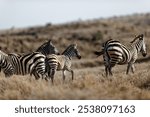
column 47, row 48
column 140, row 44
column 52, row 49
column 72, row 51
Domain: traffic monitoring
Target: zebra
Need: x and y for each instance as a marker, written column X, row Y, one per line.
column 5, row 65
column 62, row 62
column 47, row 48
column 18, row 65
column 116, row 53
column 31, row 63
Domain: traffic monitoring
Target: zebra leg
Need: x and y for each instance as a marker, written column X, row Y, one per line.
column 133, row 68
column 106, row 71
column 64, row 75
column 110, row 70
column 72, row 73
column 51, row 74
column 128, row 68
column 36, row 75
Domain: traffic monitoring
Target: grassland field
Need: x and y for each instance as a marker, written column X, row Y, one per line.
column 90, row 81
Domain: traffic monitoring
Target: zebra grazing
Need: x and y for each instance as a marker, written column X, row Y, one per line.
column 116, row 53
column 32, row 63
column 47, row 48
column 5, row 64
column 62, row 62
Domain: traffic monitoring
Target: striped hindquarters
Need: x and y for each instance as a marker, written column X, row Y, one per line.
column 116, row 53
column 52, row 62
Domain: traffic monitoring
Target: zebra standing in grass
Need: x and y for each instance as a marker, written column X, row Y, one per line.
column 116, row 53
column 62, row 62
column 5, row 64
column 46, row 49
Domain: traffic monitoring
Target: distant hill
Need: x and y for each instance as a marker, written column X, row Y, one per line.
column 88, row 34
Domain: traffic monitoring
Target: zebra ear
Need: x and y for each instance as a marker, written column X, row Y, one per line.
column 49, row 41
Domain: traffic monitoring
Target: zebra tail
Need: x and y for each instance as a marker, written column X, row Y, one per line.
column 98, row 53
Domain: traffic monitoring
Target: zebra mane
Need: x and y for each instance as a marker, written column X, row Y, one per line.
column 140, row 37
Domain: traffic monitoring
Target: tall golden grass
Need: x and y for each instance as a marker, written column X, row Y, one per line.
column 89, row 83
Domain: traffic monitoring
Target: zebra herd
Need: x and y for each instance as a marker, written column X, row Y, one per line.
column 41, row 63
column 46, row 60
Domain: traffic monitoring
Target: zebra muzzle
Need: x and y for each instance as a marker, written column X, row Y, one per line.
column 144, row 54
column 79, row 57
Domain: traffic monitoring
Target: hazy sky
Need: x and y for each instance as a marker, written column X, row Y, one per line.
column 24, row 13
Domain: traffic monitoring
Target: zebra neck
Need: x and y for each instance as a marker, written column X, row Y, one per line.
column 68, row 55
column 136, row 47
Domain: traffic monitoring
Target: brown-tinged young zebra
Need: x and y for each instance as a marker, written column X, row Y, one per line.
column 5, row 64
column 116, row 53
column 62, row 62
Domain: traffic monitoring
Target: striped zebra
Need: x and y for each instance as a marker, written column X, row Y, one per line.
column 5, row 65
column 62, row 62
column 31, row 63
column 20, row 61
column 47, row 48
column 116, row 53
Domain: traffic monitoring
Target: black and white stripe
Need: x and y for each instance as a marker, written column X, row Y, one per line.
column 32, row 63
column 62, row 62
column 116, row 53
column 5, row 64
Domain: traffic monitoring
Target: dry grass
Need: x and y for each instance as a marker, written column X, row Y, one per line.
column 89, row 84
column 90, row 81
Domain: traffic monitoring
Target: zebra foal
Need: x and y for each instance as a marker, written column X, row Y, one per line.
column 116, row 53
column 62, row 62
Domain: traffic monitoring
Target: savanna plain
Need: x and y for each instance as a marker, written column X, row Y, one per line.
column 90, row 81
